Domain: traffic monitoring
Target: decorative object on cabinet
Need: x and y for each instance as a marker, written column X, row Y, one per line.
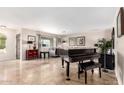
column 104, row 45
column 31, row 54
column 34, row 47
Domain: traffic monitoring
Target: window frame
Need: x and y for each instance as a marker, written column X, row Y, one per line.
column 2, row 40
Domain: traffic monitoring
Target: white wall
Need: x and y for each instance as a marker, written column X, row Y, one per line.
column 91, row 37
column 10, row 51
column 120, row 60
column 119, row 54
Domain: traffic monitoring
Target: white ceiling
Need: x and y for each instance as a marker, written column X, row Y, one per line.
column 58, row 20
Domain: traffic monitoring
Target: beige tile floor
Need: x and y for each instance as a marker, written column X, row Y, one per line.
column 48, row 72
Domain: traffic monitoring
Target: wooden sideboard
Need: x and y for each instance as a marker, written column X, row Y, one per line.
column 31, row 54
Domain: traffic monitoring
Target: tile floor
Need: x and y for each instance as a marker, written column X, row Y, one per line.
column 48, row 72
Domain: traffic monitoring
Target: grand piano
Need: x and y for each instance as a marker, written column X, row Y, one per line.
column 73, row 55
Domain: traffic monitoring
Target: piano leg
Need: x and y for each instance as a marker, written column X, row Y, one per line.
column 81, row 70
column 67, row 70
column 62, row 62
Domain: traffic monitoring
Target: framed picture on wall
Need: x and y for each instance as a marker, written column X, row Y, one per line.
column 31, row 38
column 81, row 41
column 120, row 23
column 72, row 41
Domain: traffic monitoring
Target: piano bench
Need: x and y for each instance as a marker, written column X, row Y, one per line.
column 88, row 66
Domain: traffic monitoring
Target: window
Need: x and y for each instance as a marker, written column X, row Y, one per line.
column 45, row 43
column 2, row 41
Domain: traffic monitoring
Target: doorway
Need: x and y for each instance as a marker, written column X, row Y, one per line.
column 18, row 46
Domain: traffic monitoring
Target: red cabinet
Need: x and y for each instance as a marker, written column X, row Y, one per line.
column 31, row 54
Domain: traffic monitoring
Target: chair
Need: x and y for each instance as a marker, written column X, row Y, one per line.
column 53, row 52
column 90, row 65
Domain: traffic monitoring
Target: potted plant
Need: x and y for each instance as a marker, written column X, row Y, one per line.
column 104, row 45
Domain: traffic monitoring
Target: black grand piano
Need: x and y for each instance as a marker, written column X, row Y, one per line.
column 76, row 55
